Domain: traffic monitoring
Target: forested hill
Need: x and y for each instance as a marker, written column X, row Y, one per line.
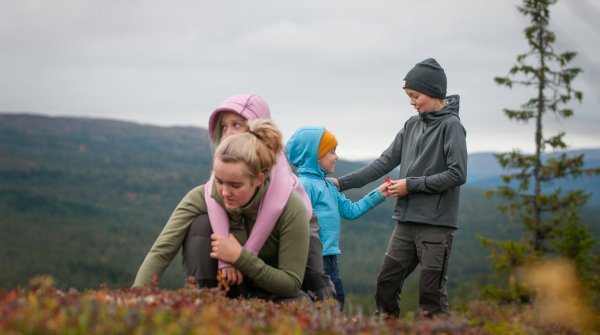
column 83, row 200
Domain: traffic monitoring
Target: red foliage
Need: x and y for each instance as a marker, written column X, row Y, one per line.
column 45, row 310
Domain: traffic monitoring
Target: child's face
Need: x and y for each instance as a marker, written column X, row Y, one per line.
column 422, row 102
column 234, row 183
column 232, row 123
column 328, row 160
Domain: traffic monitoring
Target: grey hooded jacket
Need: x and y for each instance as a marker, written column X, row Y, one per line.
column 432, row 153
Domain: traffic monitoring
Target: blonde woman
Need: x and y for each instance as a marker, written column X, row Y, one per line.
column 241, row 166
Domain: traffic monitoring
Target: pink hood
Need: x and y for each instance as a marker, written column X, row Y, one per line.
column 249, row 106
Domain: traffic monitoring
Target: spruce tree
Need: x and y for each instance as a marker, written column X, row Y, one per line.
column 552, row 225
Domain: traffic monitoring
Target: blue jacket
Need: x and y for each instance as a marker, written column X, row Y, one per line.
column 328, row 203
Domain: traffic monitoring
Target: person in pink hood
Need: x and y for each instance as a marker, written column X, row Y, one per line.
column 229, row 118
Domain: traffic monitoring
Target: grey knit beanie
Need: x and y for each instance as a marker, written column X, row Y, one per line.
column 427, row 77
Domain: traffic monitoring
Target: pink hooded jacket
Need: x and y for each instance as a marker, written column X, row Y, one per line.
column 283, row 181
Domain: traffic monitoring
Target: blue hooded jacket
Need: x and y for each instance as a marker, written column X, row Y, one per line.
column 329, row 204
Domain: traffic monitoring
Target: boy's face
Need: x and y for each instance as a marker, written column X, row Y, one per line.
column 328, row 160
column 423, row 103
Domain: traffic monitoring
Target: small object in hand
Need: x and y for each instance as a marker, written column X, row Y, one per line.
column 221, row 282
column 387, row 180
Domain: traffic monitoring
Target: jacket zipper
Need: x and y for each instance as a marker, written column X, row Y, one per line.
column 417, row 149
column 245, row 223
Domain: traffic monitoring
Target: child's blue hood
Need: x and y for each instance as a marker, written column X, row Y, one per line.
column 302, row 150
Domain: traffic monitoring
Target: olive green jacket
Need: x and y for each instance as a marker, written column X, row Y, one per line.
column 280, row 264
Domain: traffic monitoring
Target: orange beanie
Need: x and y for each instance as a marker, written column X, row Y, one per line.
column 328, row 142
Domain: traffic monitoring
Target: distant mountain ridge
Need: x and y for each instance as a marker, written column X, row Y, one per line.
column 483, row 168
column 483, row 171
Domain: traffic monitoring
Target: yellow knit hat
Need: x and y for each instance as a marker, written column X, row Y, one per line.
column 328, row 142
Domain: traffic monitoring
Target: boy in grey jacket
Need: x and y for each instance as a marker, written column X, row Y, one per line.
column 432, row 153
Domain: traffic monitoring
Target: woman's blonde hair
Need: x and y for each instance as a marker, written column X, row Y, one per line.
column 257, row 149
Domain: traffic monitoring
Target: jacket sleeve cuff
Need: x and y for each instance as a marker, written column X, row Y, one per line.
column 343, row 184
column 376, row 197
column 415, row 184
column 245, row 262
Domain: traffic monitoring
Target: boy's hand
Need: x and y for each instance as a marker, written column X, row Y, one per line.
column 335, row 182
column 398, row 188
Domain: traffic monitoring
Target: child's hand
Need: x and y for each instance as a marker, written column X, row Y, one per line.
column 383, row 188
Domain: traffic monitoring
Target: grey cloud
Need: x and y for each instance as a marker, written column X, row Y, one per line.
column 332, row 63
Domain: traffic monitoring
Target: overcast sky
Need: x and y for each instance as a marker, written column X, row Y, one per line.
column 339, row 64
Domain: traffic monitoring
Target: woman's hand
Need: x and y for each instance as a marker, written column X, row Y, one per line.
column 229, row 276
column 225, row 249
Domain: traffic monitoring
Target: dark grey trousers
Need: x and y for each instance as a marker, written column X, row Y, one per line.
column 198, row 264
column 195, row 253
column 413, row 244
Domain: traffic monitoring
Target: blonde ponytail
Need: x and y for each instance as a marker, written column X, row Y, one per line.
column 257, row 149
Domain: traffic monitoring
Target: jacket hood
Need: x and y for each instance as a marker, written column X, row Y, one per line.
column 302, row 150
column 451, row 108
column 249, row 106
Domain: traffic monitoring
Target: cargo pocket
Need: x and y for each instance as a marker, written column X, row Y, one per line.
column 433, row 254
column 433, row 259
